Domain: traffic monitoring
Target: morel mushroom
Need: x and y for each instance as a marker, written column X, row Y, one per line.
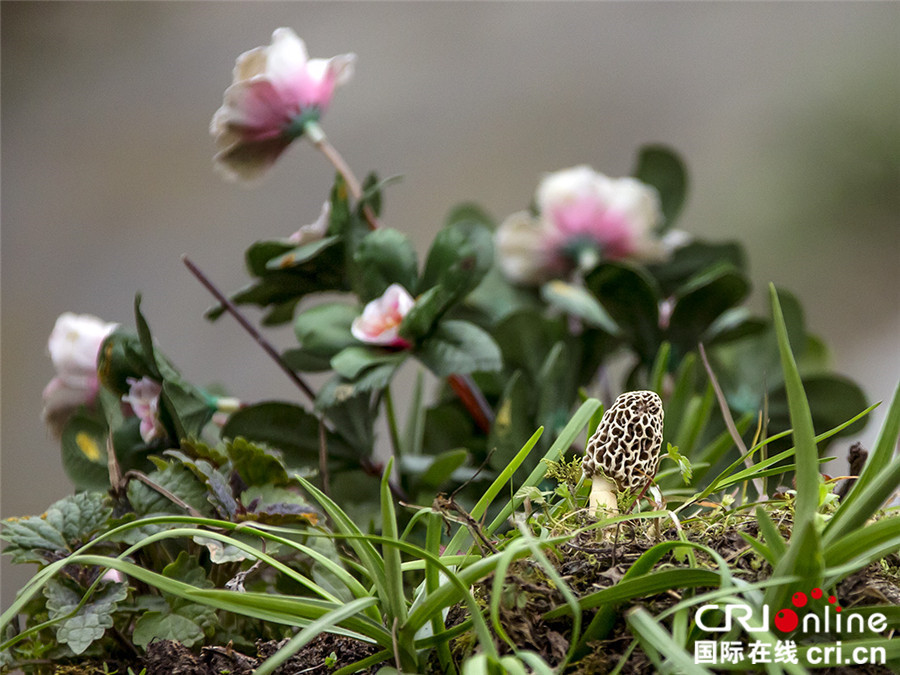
column 623, row 454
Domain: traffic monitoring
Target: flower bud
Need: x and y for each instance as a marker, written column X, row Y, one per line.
column 379, row 324
column 143, row 397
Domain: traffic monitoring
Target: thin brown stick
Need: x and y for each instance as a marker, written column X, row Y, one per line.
column 145, row 479
column 729, row 420
column 267, row 347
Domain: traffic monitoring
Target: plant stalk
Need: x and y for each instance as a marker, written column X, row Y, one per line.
column 267, row 347
column 317, row 137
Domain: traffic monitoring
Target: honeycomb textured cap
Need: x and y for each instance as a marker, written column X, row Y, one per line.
column 626, row 445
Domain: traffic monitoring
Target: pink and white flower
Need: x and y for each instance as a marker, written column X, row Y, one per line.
column 379, row 324
column 583, row 217
column 275, row 90
column 74, row 345
column 143, row 397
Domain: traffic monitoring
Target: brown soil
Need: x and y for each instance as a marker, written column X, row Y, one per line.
column 325, row 654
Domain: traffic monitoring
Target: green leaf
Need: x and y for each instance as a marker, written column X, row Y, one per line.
column 733, row 324
column 285, row 426
column 300, row 254
column 174, row 478
column 385, row 257
column 578, row 302
column 257, row 465
column 424, row 314
column 187, row 406
column 495, row 298
column 459, row 347
column 182, row 620
column 469, row 211
column 662, row 168
column 83, row 447
column 459, row 258
column 510, row 430
column 693, row 258
column 324, row 330
column 220, row 494
column 701, row 301
column 121, row 356
column 396, row 599
column 66, row 525
column 260, row 253
column 526, row 338
column 441, row 468
column 90, row 622
column 152, row 626
column 276, row 506
column 832, row 400
column 281, row 289
column 339, row 390
column 353, row 361
column 556, row 388
column 643, row 586
column 145, row 338
column 632, row 300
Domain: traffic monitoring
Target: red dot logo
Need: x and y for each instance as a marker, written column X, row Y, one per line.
column 786, row 620
column 816, row 593
column 799, row 599
column 832, row 599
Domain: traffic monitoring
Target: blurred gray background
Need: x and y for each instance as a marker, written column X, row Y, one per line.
column 787, row 113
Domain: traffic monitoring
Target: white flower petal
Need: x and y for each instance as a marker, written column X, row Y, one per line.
column 521, row 249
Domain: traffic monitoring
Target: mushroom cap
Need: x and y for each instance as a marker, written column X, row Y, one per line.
column 626, row 445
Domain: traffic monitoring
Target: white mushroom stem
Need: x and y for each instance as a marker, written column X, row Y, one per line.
column 603, row 496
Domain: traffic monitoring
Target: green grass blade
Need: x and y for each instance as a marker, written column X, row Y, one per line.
column 876, row 482
column 462, row 538
column 865, row 544
column 883, row 451
column 807, row 471
column 694, row 421
column 648, row 584
column 853, row 515
column 305, row 636
column 562, row 443
column 365, row 551
column 659, row 368
column 653, row 637
column 393, row 574
column 770, row 533
column 432, row 581
column 711, row 453
column 804, row 558
column 367, row 662
column 682, row 393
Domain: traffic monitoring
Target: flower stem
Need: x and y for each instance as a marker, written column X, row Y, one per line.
column 463, row 386
column 317, row 137
column 267, row 347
